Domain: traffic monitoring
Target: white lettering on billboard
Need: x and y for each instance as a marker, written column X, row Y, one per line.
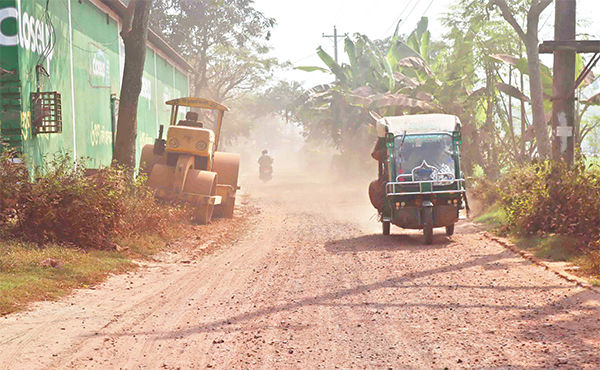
column 32, row 34
column 8, row 40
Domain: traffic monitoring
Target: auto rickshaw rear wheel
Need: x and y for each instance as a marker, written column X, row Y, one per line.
column 386, row 227
column 428, row 226
column 450, row 230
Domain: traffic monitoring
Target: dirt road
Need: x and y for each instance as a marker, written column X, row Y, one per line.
column 309, row 283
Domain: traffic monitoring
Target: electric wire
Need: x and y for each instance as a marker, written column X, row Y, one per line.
column 426, row 9
column 338, row 11
column 339, row 16
column 107, row 44
column 311, row 55
column 371, row 9
column 546, row 21
column 49, row 47
column 408, row 15
column 397, row 19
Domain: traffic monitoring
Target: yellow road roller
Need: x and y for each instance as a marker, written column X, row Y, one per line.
column 186, row 166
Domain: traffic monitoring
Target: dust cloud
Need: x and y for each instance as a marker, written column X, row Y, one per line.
column 308, row 174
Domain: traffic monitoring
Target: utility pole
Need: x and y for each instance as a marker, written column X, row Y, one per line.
column 563, row 88
column 335, row 105
column 335, row 40
column 565, row 48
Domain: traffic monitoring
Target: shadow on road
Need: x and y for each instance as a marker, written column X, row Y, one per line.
column 330, row 298
column 394, row 242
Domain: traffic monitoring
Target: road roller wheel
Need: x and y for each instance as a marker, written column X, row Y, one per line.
column 162, row 176
column 227, row 165
column 226, row 209
column 202, row 183
column 148, row 160
column 203, row 214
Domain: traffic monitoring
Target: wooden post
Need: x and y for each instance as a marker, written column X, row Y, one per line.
column 563, row 103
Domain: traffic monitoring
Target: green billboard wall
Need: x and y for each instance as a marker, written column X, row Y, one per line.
column 74, row 48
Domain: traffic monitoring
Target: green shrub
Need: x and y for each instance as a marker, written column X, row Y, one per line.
column 553, row 198
column 485, row 191
column 13, row 178
column 63, row 205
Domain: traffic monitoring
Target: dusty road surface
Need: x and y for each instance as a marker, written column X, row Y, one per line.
column 307, row 282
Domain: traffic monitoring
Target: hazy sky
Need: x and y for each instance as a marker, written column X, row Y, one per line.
column 300, row 25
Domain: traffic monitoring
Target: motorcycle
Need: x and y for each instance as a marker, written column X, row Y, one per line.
column 265, row 173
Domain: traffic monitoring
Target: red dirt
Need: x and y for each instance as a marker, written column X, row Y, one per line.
column 307, row 282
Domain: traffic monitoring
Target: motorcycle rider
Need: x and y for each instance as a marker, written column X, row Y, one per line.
column 265, row 161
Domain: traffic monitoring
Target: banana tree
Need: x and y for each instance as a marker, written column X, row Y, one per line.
column 398, row 81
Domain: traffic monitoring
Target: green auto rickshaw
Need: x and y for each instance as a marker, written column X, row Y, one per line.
column 419, row 173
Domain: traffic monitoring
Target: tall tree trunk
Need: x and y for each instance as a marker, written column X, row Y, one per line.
column 523, row 153
column 540, row 126
column 530, row 39
column 492, row 168
column 135, row 34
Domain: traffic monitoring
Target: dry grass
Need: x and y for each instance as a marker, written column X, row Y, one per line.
column 64, row 230
column 590, row 265
column 28, row 273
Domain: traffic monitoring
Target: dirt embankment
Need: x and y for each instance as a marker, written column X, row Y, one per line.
column 307, row 282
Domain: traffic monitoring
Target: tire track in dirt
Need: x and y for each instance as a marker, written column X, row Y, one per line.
column 139, row 339
column 313, row 285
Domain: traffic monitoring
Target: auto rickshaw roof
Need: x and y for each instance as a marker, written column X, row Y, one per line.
column 419, row 123
column 197, row 103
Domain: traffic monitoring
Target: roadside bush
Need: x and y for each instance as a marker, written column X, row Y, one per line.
column 485, row 191
column 63, row 205
column 13, row 177
column 553, row 198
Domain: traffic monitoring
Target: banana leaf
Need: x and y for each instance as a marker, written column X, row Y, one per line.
column 589, row 78
column 318, row 90
column 350, row 49
column 402, row 101
column 594, row 100
column 332, row 64
column 425, row 45
column 312, row 69
column 512, row 91
column 422, row 95
column 417, row 64
column 422, row 27
column 510, row 59
column 409, row 82
column 399, row 51
column 361, row 101
column 413, row 42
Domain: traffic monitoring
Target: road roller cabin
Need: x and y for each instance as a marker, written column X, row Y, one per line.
column 186, row 166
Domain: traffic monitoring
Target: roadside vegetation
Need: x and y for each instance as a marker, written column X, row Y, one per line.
column 549, row 208
column 61, row 229
column 485, row 70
